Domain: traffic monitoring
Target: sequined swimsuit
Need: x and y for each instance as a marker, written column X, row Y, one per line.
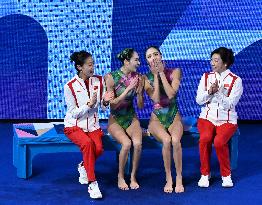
column 167, row 109
column 124, row 111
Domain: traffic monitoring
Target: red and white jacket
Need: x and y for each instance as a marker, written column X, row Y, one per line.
column 77, row 94
column 220, row 107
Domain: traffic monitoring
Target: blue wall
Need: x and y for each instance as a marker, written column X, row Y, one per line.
column 37, row 39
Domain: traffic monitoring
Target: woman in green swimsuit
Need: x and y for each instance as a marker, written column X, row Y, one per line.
column 165, row 122
column 123, row 124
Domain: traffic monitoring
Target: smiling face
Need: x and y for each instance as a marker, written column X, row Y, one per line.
column 217, row 63
column 88, row 67
column 133, row 63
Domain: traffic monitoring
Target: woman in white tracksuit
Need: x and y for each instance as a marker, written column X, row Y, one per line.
column 219, row 92
column 83, row 93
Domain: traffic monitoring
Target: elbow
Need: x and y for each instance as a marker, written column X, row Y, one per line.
column 155, row 99
column 171, row 95
column 74, row 115
column 199, row 101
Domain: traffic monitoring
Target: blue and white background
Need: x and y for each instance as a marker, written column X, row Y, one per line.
column 38, row 36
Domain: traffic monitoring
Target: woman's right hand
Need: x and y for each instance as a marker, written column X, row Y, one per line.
column 159, row 65
column 213, row 88
column 156, row 66
column 93, row 100
column 141, row 84
column 133, row 84
column 153, row 67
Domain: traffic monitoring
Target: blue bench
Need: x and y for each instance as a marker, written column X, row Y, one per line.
column 31, row 139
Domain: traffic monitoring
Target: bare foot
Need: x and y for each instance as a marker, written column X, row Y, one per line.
column 122, row 184
column 179, row 185
column 134, row 184
column 169, row 186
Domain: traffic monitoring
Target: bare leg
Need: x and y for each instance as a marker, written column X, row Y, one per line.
column 119, row 134
column 159, row 132
column 176, row 130
column 135, row 132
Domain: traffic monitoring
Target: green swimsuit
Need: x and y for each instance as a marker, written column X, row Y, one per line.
column 124, row 111
column 166, row 109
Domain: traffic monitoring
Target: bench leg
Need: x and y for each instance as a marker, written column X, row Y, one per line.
column 15, row 151
column 24, row 163
column 233, row 149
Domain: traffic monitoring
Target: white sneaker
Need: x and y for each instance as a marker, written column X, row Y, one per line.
column 204, row 181
column 227, row 181
column 94, row 191
column 82, row 172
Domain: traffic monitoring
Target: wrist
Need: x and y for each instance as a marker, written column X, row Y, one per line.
column 139, row 93
column 89, row 105
column 105, row 103
column 210, row 91
column 155, row 74
column 161, row 73
column 128, row 89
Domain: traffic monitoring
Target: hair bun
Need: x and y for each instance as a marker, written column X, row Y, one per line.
column 74, row 56
column 125, row 54
column 120, row 56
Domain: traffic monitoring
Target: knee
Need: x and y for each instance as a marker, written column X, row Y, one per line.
column 137, row 144
column 166, row 142
column 86, row 145
column 99, row 151
column 176, row 143
column 204, row 139
column 219, row 143
column 126, row 144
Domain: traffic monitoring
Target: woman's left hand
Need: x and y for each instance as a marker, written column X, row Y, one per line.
column 159, row 65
